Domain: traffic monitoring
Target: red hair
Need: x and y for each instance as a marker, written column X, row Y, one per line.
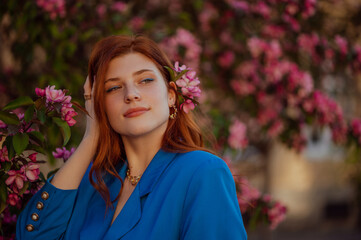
column 182, row 133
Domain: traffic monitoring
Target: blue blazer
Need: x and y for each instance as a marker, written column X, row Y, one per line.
column 180, row 196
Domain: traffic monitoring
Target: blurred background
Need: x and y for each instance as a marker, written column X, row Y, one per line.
column 281, row 84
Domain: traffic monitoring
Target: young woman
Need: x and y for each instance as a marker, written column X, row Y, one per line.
column 140, row 171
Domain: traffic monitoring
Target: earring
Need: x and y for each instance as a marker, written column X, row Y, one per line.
column 174, row 114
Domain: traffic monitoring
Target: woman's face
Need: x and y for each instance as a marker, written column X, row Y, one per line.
column 137, row 100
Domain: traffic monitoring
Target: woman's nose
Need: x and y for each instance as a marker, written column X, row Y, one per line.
column 132, row 94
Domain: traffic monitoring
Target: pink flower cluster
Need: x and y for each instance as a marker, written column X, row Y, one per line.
column 54, row 96
column 188, row 84
column 278, row 87
column 63, row 153
column 238, row 135
column 185, row 39
column 327, row 113
column 355, row 129
column 250, row 198
column 276, row 214
column 54, row 7
column 29, row 172
column 291, row 11
column 339, row 53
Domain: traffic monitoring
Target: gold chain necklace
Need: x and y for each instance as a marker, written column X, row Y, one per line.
column 133, row 179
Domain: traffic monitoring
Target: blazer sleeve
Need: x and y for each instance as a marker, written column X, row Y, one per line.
column 211, row 209
column 47, row 214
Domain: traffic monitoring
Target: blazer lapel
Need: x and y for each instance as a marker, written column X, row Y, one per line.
column 130, row 214
column 128, row 217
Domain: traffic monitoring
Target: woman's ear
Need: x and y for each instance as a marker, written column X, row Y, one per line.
column 172, row 93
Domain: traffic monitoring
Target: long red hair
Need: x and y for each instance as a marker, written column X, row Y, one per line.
column 182, row 133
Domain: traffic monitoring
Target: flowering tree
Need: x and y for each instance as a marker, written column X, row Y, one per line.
column 263, row 66
column 27, row 134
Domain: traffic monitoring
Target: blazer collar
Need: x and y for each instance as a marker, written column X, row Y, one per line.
column 156, row 167
column 132, row 211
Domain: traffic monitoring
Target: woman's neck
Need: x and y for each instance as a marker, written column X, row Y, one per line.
column 141, row 150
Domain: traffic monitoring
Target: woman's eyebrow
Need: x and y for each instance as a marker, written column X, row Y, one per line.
column 134, row 74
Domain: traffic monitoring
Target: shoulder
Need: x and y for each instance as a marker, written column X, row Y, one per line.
column 200, row 162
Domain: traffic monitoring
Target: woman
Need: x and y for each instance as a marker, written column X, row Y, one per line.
column 140, row 171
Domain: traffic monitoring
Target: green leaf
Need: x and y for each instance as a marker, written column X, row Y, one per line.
column 36, row 136
column 51, row 173
column 26, row 186
column 3, row 205
column 37, row 148
column 41, row 177
column 3, row 192
column 6, row 166
column 8, row 143
column 41, row 115
column 65, row 129
column 20, row 142
column 19, row 102
column 9, row 118
column 171, row 72
column 29, row 113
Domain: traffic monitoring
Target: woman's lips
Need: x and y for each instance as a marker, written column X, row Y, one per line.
column 134, row 112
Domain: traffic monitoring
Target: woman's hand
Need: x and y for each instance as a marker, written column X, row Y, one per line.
column 92, row 127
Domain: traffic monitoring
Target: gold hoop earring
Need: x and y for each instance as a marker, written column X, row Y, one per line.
column 174, row 114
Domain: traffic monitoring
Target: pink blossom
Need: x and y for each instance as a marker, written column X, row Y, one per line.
column 262, row 9
column 40, row 92
column 242, row 87
column 356, row 129
column 309, row 8
column 275, row 129
column 189, row 84
column 187, row 105
column 178, row 68
column 238, row 4
column 119, row 6
column 265, row 115
column 226, row 59
column 292, row 8
column 276, row 214
column 13, row 199
column 101, row 9
column 136, row 23
column 54, row 7
column 294, row 24
column 63, row 153
column 256, row 46
column 8, row 217
column 32, row 157
column 273, row 31
column 31, row 171
column 237, row 138
column 208, row 13
column 342, row 44
column 247, row 194
column 2, row 124
column 4, row 154
column 15, row 177
column 67, row 114
column 308, row 43
column 53, row 95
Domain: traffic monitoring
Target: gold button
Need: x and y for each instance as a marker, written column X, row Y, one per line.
column 40, row 205
column 35, row 217
column 45, row 195
column 29, row 227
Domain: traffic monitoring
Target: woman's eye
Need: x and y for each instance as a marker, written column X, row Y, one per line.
column 147, row 80
column 112, row 88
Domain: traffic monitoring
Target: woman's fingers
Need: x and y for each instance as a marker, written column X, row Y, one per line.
column 87, row 86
